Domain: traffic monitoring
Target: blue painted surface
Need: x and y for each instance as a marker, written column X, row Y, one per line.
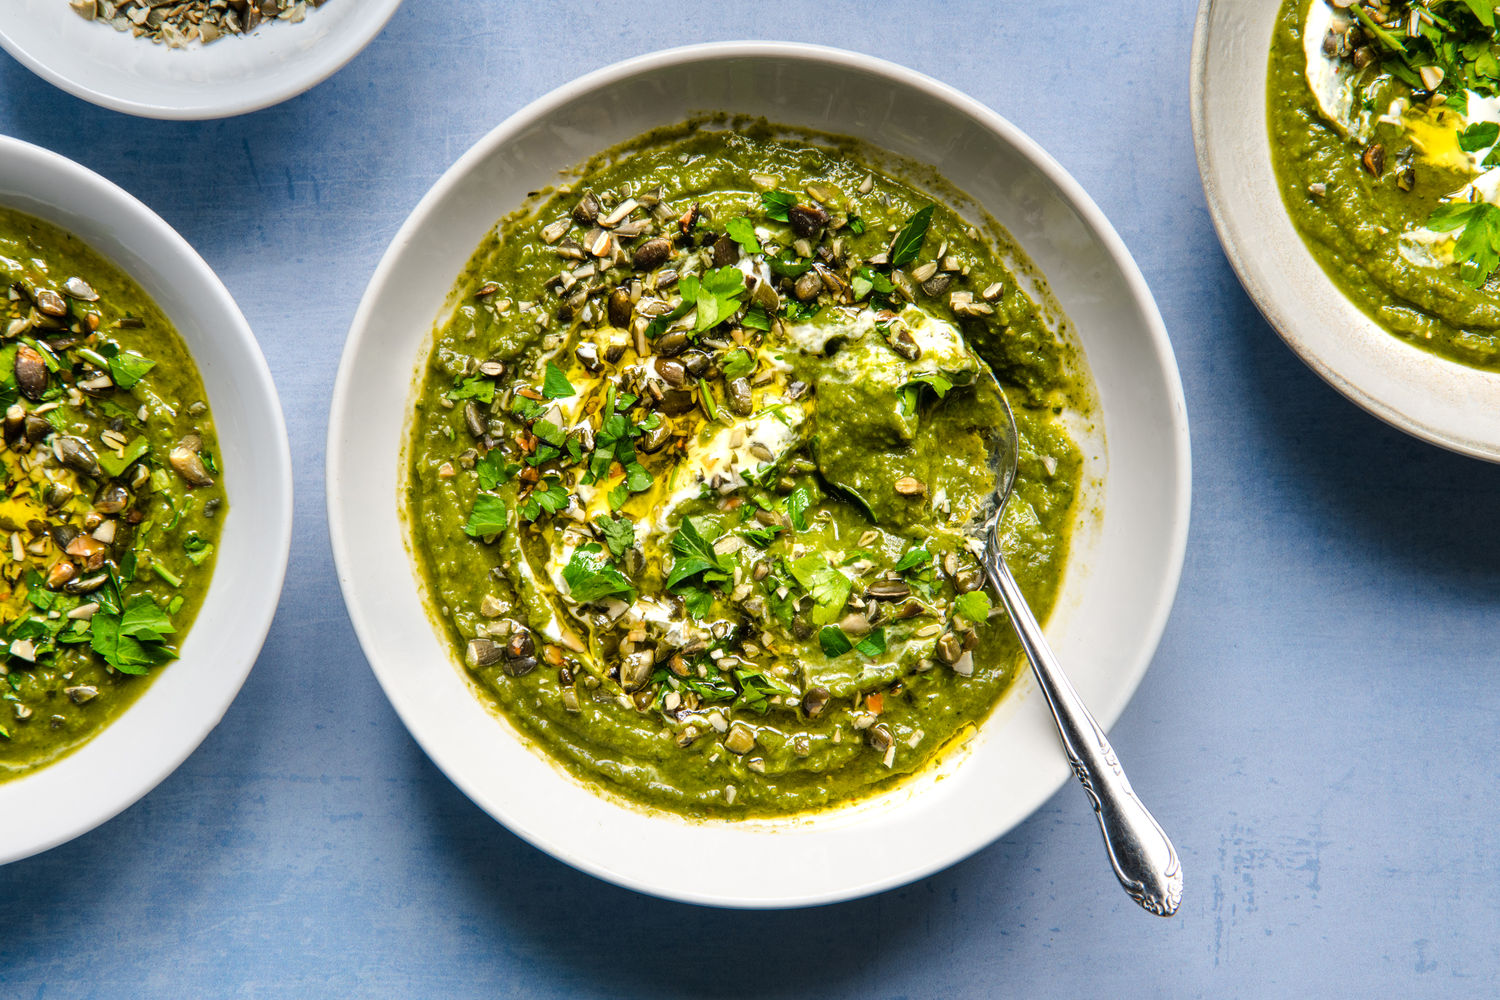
column 1317, row 730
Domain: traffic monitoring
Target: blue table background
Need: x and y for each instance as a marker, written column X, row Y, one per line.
column 1317, row 731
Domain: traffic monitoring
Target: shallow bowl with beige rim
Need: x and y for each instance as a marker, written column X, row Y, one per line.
column 1428, row 396
column 189, row 696
column 1121, row 577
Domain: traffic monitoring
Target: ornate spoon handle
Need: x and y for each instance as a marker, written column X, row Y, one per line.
column 1143, row 858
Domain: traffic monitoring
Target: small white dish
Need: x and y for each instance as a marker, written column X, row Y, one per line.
column 231, row 76
column 1428, row 396
column 1120, row 581
column 189, row 696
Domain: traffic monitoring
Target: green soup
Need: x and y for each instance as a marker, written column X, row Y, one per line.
column 1384, row 177
column 695, row 459
column 112, row 497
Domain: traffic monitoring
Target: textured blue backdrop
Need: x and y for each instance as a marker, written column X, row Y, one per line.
column 1317, row 731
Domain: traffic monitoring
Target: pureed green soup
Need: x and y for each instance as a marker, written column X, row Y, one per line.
column 111, row 502
column 694, row 463
column 1384, row 120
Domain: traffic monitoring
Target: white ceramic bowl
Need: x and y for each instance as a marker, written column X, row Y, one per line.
column 229, row 77
column 188, row 697
column 1120, row 581
column 1419, row 392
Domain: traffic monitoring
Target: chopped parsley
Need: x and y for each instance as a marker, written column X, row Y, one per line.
column 742, row 231
column 133, row 640
column 908, row 242
column 486, row 517
column 1478, row 246
column 696, row 567
column 828, row 587
column 975, row 605
column 777, row 204
column 477, row 388
column 590, row 577
column 555, row 384
column 127, row 368
column 618, row 532
column 737, row 363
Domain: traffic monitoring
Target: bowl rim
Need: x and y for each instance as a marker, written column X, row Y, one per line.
column 1283, row 322
column 1093, row 220
column 273, row 88
column 192, row 730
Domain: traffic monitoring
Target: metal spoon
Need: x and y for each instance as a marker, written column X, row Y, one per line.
column 1143, row 858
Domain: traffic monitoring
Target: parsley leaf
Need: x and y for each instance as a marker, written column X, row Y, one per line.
column 590, row 577
column 698, row 600
column 757, row 690
column 761, row 535
column 476, row 387
column 776, row 203
column 742, row 231
column 555, row 384
column 197, row 547
column 142, row 619
column 718, row 296
column 828, row 587
column 618, row 532
column 908, row 242
column 1478, row 136
column 787, row 266
column 796, row 507
column 1478, row 246
column 975, row 605
column 737, row 363
column 493, row 469
column 873, row 644
column 549, row 497
column 133, row 640
column 658, row 326
column 116, row 465
column 127, row 368
column 695, row 558
column 866, row 281
column 908, row 395
column 833, row 640
column 913, row 558
column 486, row 517
column 1483, row 10
column 756, row 317
column 526, row 408
column 856, row 225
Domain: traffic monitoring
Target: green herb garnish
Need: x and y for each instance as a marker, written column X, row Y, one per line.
column 555, row 384
column 737, row 363
column 975, row 605
column 777, row 203
column 1478, row 246
column 742, row 231
column 828, row 587
column 590, row 577
column 477, row 388
column 486, row 517
column 618, row 532
column 127, row 368
column 135, row 639
column 908, row 242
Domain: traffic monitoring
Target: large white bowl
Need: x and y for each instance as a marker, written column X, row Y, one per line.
column 1120, row 581
column 229, row 77
column 1421, row 393
column 189, row 697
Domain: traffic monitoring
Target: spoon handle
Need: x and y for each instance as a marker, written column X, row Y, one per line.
column 1143, row 858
